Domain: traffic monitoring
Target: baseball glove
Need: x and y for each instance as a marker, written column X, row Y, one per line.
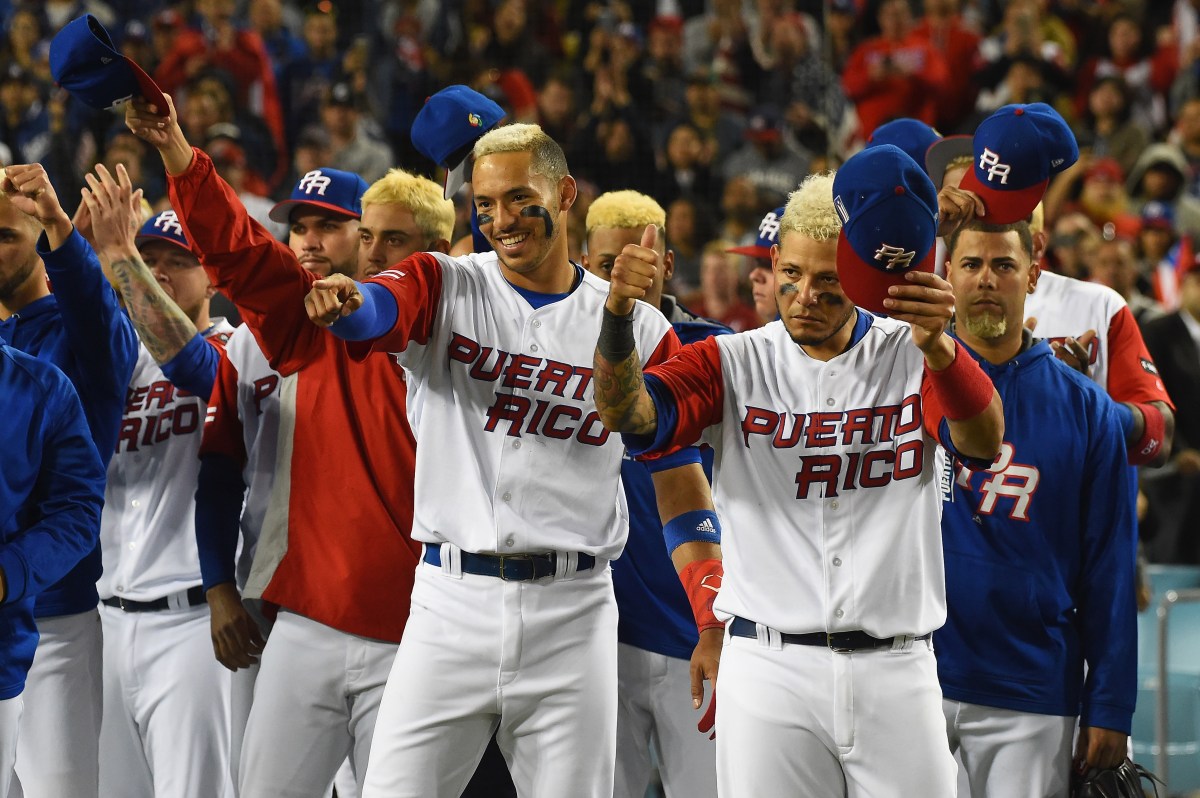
column 1123, row 781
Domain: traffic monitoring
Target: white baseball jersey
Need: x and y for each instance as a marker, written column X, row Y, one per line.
column 244, row 425
column 826, row 476
column 147, row 530
column 1119, row 361
column 514, row 456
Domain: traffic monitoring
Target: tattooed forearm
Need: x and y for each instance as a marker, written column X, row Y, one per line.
column 622, row 400
column 163, row 327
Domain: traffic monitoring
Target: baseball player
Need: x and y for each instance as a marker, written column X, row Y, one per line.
column 656, row 630
column 401, row 214
column 51, row 490
column 825, row 425
column 758, row 255
column 334, row 553
column 513, row 622
column 166, row 721
column 1039, row 550
column 81, row 329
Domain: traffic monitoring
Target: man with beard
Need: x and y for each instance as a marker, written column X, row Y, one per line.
column 1039, row 549
column 825, row 425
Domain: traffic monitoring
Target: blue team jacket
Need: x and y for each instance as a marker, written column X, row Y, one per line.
column 1040, row 558
column 51, row 491
column 653, row 609
column 82, row 329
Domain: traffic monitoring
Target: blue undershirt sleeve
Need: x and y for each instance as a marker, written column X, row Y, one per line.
column 374, row 319
column 194, row 368
column 668, row 418
column 219, row 494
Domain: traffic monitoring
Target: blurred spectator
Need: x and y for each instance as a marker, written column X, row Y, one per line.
column 719, row 39
column 1149, row 77
column 1114, row 264
column 209, row 101
column 124, row 148
column 1021, row 43
column 136, row 45
column 946, row 33
column 842, row 31
column 1155, row 239
column 772, row 164
column 283, row 47
column 613, row 151
column 1108, row 122
column 218, row 43
column 1174, row 343
column 165, row 28
column 353, row 150
column 400, row 80
column 1094, row 187
column 720, row 283
column 23, row 34
column 26, row 122
column 1072, row 240
column 741, row 210
column 897, row 73
column 685, row 172
column 617, row 52
column 60, row 12
column 1160, row 175
column 721, row 129
column 306, row 77
column 662, row 68
column 509, row 43
column 556, row 109
column 313, row 150
column 684, row 220
column 1187, row 136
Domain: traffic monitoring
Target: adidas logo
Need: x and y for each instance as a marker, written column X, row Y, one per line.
column 706, row 526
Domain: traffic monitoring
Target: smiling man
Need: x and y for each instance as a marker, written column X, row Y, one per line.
column 513, row 626
column 1039, row 549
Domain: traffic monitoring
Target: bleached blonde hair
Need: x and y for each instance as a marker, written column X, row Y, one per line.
column 625, row 210
column 432, row 212
column 810, row 210
column 547, row 159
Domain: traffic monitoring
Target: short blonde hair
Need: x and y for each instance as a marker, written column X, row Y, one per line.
column 810, row 210
column 433, row 213
column 547, row 159
column 625, row 210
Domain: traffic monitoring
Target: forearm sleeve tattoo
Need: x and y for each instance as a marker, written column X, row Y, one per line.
column 163, row 327
column 621, row 396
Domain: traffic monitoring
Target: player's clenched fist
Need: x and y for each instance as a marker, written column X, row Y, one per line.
column 633, row 272
column 332, row 298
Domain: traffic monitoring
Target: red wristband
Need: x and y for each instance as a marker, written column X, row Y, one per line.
column 962, row 389
column 1154, row 430
column 702, row 581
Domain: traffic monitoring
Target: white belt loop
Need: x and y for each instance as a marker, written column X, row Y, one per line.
column 902, row 642
column 566, row 564
column 451, row 560
column 768, row 637
column 178, row 601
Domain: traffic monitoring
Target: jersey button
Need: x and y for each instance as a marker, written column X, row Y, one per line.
column 837, row 562
column 507, row 496
column 834, row 504
column 516, row 444
column 132, row 546
column 136, row 503
column 510, row 541
column 120, row 588
column 533, row 348
column 838, row 613
column 829, row 401
column 537, row 324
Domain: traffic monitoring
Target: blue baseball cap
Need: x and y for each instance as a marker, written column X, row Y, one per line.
column 911, row 135
column 164, row 226
column 1017, row 150
column 1158, row 215
column 889, row 212
column 768, row 236
column 84, row 62
column 330, row 189
column 447, row 127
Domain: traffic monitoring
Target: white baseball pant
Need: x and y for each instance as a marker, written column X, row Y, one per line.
column 241, row 697
column 804, row 720
column 536, row 662
column 166, row 726
column 654, row 709
column 10, row 727
column 58, row 751
column 1009, row 754
column 315, row 702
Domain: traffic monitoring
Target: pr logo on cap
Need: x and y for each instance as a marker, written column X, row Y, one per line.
column 1016, row 152
column 768, row 236
column 889, row 209
column 164, row 226
column 168, row 222
column 314, row 181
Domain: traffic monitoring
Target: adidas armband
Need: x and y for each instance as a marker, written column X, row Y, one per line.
column 702, row 582
column 699, row 526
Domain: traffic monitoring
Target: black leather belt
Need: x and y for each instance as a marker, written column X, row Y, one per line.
column 509, row 567
column 841, row 642
column 195, row 597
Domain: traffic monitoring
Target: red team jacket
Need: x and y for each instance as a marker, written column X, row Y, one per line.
column 341, row 534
